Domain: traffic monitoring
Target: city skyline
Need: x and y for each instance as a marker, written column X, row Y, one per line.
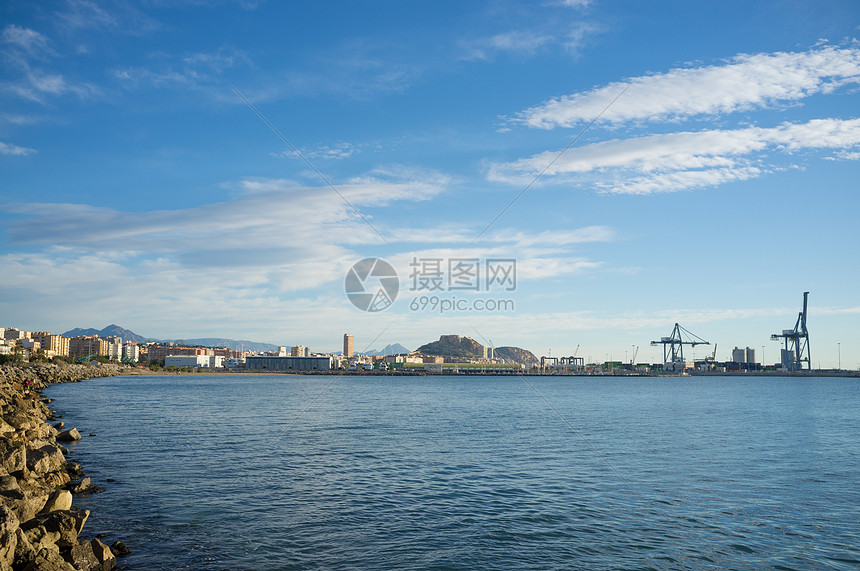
column 628, row 167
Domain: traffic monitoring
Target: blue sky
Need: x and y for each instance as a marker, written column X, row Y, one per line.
column 652, row 162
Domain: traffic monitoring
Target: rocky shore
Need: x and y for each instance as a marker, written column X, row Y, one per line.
column 40, row 528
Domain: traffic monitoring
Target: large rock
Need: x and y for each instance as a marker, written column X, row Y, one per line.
column 70, row 435
column 24, row 550
column 45, row 459
column 48, row 560
column 61, row 500
column 9, row 484
column 119, row 549
column 8, row 537
column 104, row 554
column 25, row 504
column 13, row 456
column 6, row 429
column 66, row 523
column 81, row 556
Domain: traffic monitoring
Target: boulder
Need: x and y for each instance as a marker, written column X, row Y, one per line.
column 81, row 556
column 45, row 459
column 48, row 560
column 104, row 554
column 6, row 428
column 74, row 470
column 57, row 479
column 70, row 435
column 66, row 523
column 119, row 549
column 38, row 538
column 8, row 537
column 13, row 456
column 59, row 500
column 85, row 486
column 9, row 484
column 25, row 504
column 24, row 551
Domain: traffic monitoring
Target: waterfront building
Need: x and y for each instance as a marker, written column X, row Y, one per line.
column 298, row 351
column 161, row 351
column 52, row 345
column 197, row 361
column 282, row 351
column 13, row 334
column 292, row 363
column 131, row 352
column 88, row 346
column 348, row 345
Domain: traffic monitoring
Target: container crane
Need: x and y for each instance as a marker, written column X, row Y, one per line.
column 673, row 346
column 796, row 351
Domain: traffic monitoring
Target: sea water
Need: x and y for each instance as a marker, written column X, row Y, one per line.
column 471, row 472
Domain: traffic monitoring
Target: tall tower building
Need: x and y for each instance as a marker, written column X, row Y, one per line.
column 348, row 345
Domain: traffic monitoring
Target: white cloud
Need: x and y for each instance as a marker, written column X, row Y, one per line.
column 15, row 150
column 34, row 83
column 518, row 41
column 30, row 42
column 288, row 219
column 742, row 83
column 685, row 160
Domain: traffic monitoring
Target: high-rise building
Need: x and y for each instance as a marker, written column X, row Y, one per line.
column 348, row 345
column 52, row 345
column 298, row 351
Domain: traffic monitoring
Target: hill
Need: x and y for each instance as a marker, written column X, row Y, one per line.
column 468, row 348
column 393, row 349
column 453, row 346
column 523, row 356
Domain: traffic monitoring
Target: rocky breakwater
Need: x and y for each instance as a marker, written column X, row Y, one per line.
column 40, row 528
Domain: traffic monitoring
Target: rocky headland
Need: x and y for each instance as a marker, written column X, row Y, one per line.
column 40, row 528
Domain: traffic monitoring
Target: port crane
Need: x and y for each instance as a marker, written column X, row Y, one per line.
column 796, row 351
column 673, row 346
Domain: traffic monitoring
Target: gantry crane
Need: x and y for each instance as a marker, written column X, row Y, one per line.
column 673, row 346
column 796, row 351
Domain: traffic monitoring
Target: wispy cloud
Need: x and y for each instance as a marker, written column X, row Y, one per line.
column 742, row 83
column 122, row 17
column 30, row 42
column 325, row 152
column 28, row 52
column 185, row 71
column 686, row 160
column 15, row 150
column 522, row 42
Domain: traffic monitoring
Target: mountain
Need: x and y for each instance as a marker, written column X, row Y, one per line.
column 523, row 356
column 393, row 349
column 111, row 330
column 132, row 337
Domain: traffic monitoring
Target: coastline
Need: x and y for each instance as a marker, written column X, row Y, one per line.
column 39, row 525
